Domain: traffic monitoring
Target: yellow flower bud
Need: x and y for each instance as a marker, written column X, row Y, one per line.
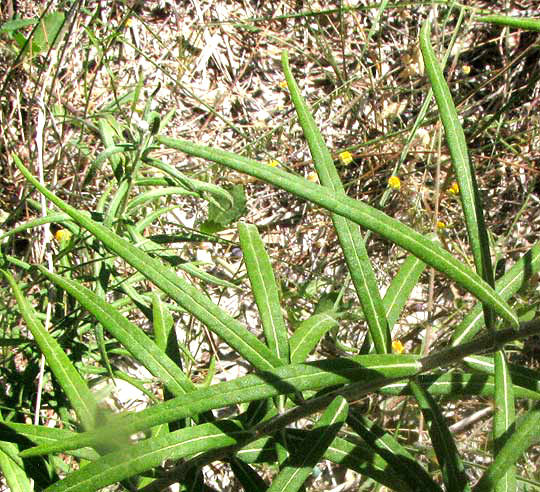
column 441, row 225
column 272, row 163
column 397, row 347
column 345, row 157
column 454, row 189
column 62, row 235
column 394, row 182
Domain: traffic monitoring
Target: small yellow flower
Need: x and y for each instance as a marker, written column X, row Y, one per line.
column 441, row 225
column 283, row 84
column 397, row 347
column 466, row 69
column 272, row 163
column 62, row 235
column 454, row 189
column 312, row 177
column 345, row 157
column 394, row 182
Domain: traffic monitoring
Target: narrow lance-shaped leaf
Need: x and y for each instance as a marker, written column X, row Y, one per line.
column 349, row 234
column 361, row 213
column 510, row 283
column 400, row 288
column 79, row 395
column 452, row 468
column 265, row 290
column 503, row 418
column 527, row 432
column 456, row 383
column 387, row 446
column 128, row 334
column 477, row 233
column 148, row 454
column 530, row 24
column 12, row 468
column 468, row 188
column 249, row 479
column 521, row 376
column 308, row 334
column 41, row 434
column 299, row 465
column 354, row 456
column 162, row 322
column 187, row 296
column 283, row 380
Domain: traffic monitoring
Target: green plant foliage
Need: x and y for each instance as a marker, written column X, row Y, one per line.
column 222, row 213
column 115, row 289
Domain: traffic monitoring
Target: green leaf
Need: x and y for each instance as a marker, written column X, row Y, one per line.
column 364, row 215
column 128, row 334
column 355, row 456
column 511, row 282
column 79, row 395
column 455, row 384
column 452, row 468
column 268, row 384
column 13, row 468
column 15, row 24
column 249, row 479
column 265, row 290
column 308, row 334
column 349, row 234
column 154, row 195
column 527, row 433
column 468, row 188
column 150, row 453
column 58, row 217
column 299, row 466
column 521, row 376
column 503, row 418
column 47, row 32
column 187, row 296
column 530, row 24
column 400, row 288
column 222, row 198
column 41, row 435
column 162, row 322
column 219, row 217
column 385, row 445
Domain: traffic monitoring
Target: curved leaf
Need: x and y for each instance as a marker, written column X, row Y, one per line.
column 361, row 213
column 527, row 432
column 510, row 283
column 297, row 468
column 468, row 188
column 79, row 395
column 349, row 234
column 148, row 454
column 308, row 334
column 128, row 334
column 283, row 380
column 265, row 290
column 187, row 296
column 452, row 468
column 518, row 22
